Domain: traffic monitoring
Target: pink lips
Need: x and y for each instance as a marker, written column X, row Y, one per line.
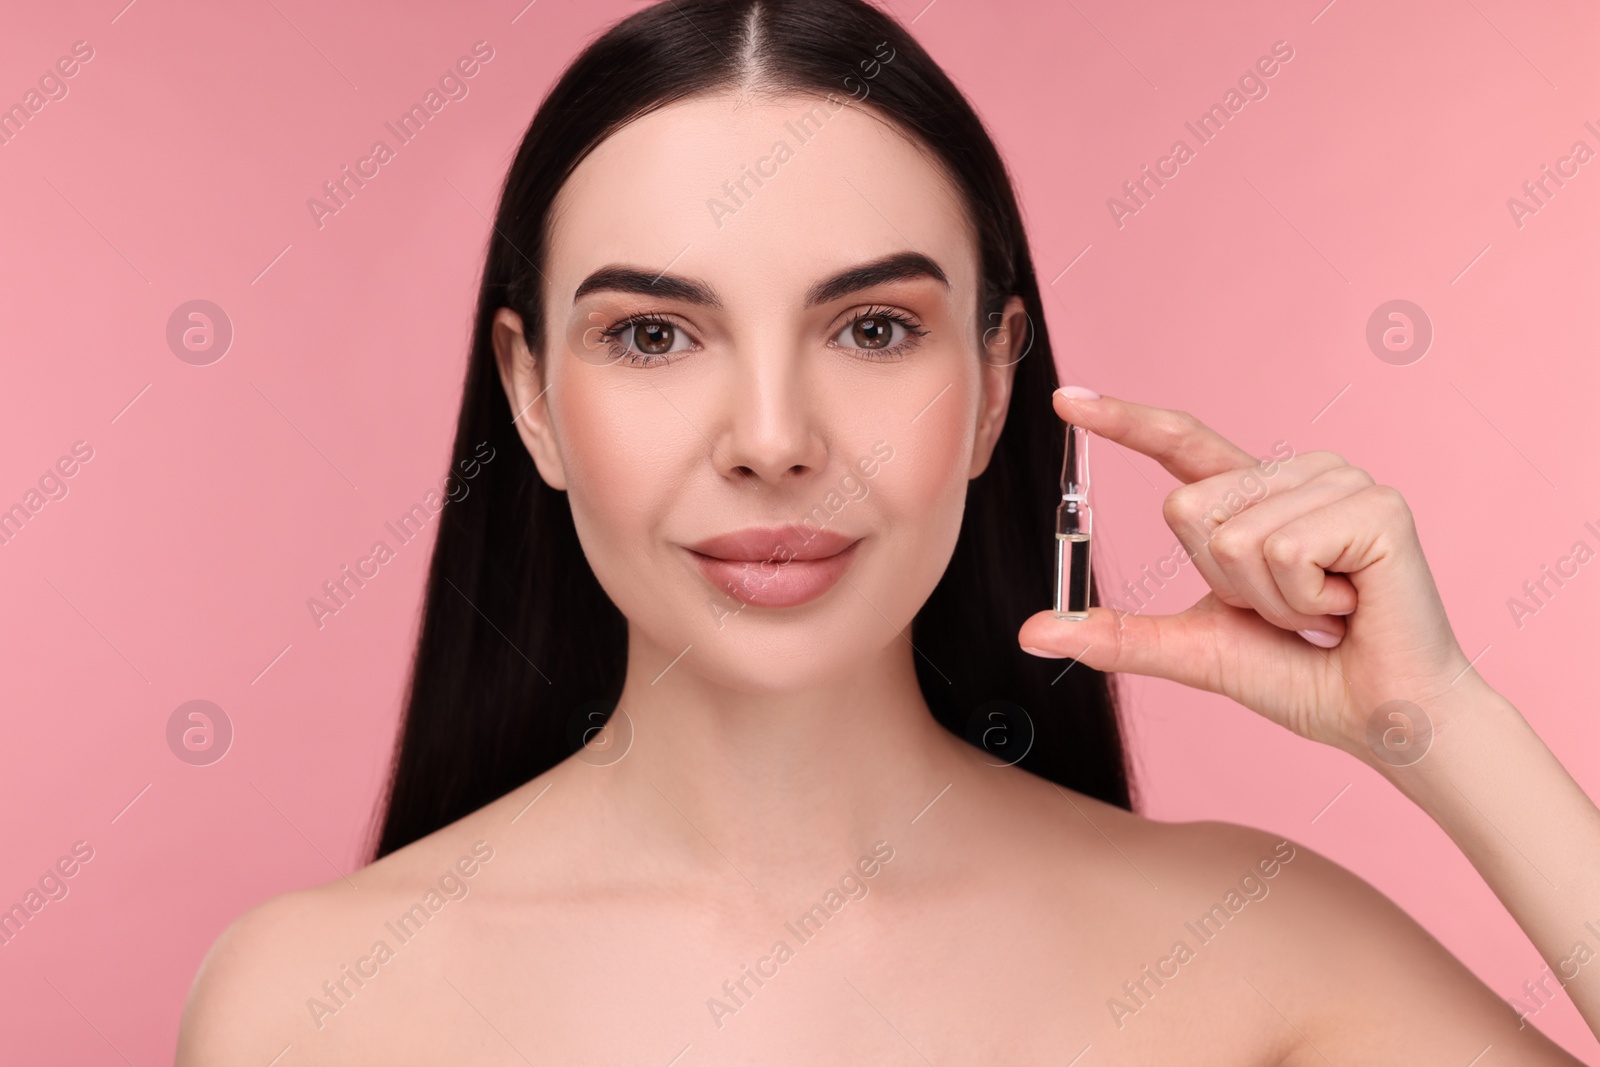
column 775, row 566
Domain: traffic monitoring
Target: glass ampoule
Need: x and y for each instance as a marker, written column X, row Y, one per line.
column 1073, row 522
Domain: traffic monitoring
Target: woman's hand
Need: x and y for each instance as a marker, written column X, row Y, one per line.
column 1308, row 545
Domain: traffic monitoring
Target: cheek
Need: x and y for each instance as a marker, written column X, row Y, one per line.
column 618, row 451
column 933, row 478
column 921, row 490
column 917, row 501
column 932, row 451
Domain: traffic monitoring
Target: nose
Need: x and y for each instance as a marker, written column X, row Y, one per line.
column 770, row 420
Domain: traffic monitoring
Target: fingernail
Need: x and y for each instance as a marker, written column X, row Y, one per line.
column 1320, row 638
column 1077, row 392
column 1042, row 652
column 1346, row 612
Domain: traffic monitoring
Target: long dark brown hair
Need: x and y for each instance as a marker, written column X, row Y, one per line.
column 520, row 650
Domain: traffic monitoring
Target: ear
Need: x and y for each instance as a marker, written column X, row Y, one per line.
column 1005, row 342
column 522, row 377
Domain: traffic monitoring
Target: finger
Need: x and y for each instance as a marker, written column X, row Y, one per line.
column 1250, row 548
column 1350, row 533
column 1186, row 648
column 1181, row 443
column 1204, row 505
column 1195, row 512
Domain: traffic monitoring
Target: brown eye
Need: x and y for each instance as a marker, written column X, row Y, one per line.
column 643, row 341
column 873, row 331
column 871, row 334
column 653, row 338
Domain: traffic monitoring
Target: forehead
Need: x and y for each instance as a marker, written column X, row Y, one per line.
column 758, row 197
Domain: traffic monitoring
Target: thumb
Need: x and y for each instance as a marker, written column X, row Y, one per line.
column 1185, row 648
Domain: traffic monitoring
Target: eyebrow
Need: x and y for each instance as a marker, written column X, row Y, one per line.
column 897, row 266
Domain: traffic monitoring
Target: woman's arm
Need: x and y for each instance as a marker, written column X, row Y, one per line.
column 1511, row 806
column 1324, row 617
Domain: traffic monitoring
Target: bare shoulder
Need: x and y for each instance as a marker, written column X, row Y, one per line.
column 1328, row 955
column 273, row 972
column 1277, row 937
column 244, row 993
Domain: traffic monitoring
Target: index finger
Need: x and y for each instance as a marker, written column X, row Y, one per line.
column 1181, row 443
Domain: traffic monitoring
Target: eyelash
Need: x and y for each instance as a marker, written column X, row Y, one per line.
column 914, row 332
column 612, row 336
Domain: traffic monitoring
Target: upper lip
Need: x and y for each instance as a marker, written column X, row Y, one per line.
column 757, row 544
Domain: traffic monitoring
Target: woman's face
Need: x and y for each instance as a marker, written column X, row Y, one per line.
column 710, row 365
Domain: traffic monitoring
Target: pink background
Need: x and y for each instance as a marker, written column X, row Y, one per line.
column 179, row 564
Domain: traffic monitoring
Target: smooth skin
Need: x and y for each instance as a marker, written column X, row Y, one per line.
column 766, row 762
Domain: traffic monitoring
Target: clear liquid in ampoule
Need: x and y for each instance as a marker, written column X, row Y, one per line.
column 1072, row 576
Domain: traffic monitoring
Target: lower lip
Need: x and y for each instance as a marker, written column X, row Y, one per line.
column 773, row 584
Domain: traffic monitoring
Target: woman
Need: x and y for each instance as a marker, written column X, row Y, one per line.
column 722, row 743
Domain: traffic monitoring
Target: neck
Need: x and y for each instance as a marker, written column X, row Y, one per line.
column 778, row 785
